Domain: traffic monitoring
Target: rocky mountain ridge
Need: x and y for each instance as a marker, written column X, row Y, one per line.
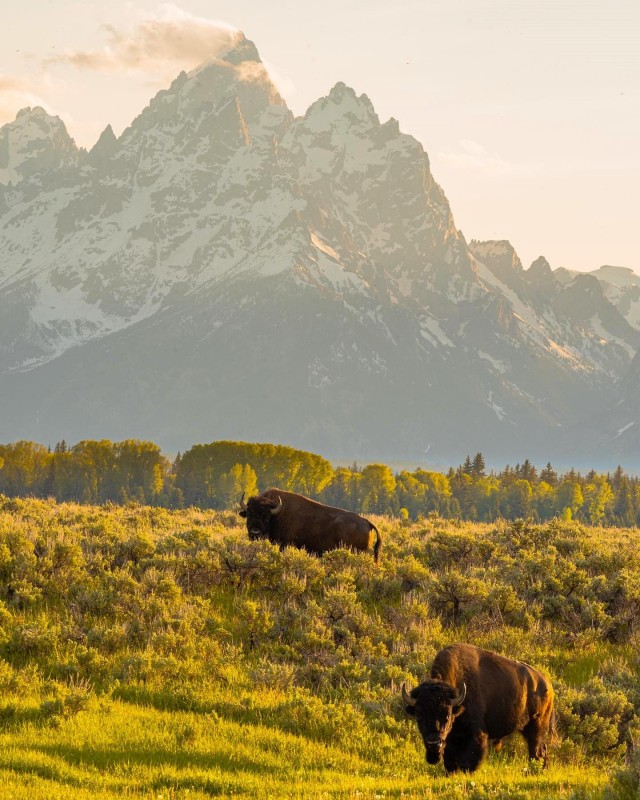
column 225, row 270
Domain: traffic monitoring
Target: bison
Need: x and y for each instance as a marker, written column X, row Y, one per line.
column 475, row 696
column 285, row 518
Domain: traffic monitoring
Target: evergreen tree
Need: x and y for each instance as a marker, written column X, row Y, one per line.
column 549, row 475
column 478, row 467
column 625, row 507
column 507, row 476
column 617, row 478
column 572, row 476
column 528, row 472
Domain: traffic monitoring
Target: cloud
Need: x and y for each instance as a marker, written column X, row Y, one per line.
column 284, row 84
column 173, row 39
column 472, row 155
column 8, row 83
column 17, row 93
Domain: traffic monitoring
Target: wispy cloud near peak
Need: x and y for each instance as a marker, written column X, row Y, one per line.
column 172, row 39
column 17, row 93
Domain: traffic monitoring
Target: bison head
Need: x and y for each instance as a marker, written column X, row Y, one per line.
column 435, row 705
column 258, row 513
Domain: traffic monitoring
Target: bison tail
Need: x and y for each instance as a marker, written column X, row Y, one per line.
column 377, row 545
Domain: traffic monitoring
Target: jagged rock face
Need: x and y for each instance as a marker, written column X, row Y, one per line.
column 223, row 270
column 183, row 197
column 34, row 143
column 621, row 287
column 372, row 204
column 104, row 148
column 501, row 259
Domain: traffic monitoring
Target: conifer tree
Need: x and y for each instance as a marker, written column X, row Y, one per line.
column 617, row 478
column 478, row 467
column 528, row 472
column 549, row 475
column 625, row 508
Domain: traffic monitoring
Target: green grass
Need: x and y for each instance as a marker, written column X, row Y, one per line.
column 119, row 750
column 147, row 653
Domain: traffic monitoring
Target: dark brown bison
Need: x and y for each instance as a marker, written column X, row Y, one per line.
column 285, row 518
column 475, row 696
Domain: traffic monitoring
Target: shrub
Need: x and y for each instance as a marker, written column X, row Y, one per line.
column 595, row 718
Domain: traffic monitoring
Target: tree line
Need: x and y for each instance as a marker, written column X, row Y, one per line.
column 215, row 476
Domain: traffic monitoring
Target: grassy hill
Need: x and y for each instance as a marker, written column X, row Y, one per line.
column 148, row 653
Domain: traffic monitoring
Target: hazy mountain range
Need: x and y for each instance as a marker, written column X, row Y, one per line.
column 226, row 270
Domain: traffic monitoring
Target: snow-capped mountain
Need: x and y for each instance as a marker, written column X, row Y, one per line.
column 621, row 286
column 225, row 270
column 34, row 142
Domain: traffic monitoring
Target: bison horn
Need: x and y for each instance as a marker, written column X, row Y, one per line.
column 460, row 698
column 410, row 701
column 243, row 505
column 278, row 508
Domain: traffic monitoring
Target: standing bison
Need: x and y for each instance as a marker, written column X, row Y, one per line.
column 475, row 696
column 285, row 518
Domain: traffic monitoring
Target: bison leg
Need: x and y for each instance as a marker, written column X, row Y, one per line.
column 470, row 755
column 533, row 733
column 450, row 757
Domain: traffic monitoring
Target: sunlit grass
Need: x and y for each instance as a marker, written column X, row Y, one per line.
column 147, row 653
column 119, row 750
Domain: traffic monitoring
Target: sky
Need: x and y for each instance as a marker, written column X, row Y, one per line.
column 529, row 110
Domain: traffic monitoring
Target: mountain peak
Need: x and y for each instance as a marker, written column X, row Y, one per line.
column 500, row 256
column 344, row 108
column 540, row 267
column 239, row 61
column 33, row 142
column 618, row 276
column 105, row 146
column 498, row 249
column 341, row 90
column 217, row 229
column 242, row 49
column 343, row 94
column 231, row 93
column 38, row 118
column 36, row 111
column 237, row 51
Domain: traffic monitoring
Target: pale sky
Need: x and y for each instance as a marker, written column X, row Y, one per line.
column 529, row 109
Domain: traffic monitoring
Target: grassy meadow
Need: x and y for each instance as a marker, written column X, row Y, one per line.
column 149, row 653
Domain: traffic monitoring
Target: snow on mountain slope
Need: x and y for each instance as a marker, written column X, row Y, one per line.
column 218, row 230
column 371, row 194
column 571, row 321
column 621, row 287
column 184, row 197
column 34, row 142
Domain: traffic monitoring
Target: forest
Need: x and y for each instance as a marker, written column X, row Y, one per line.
column 215, row 475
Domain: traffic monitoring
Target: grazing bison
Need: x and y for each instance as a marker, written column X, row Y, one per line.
column 285, row 518
column 475, row 696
